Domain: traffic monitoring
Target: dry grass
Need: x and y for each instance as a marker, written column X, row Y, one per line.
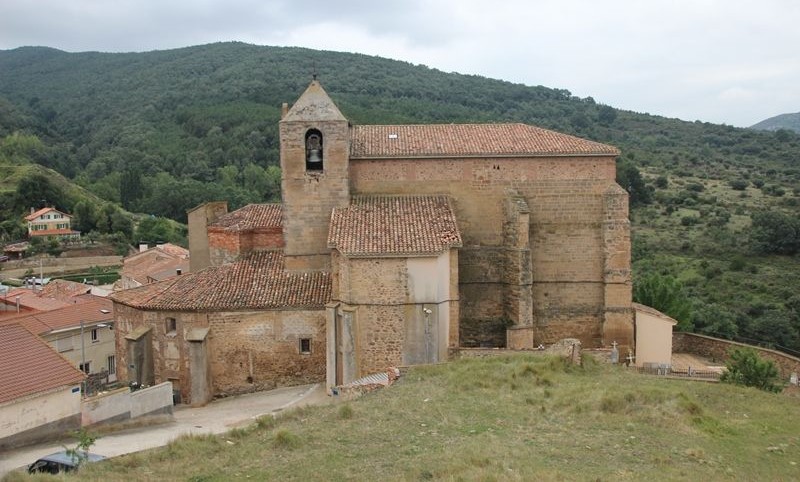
column 508, row 418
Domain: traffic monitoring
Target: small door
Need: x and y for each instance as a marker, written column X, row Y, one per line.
column 422, row 335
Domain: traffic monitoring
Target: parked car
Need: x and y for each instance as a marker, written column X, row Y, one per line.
column 4, row 258
column 60, row 462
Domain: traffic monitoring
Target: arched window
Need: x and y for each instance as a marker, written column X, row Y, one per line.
column 313, row 150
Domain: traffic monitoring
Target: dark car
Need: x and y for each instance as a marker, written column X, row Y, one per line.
column 61, row 462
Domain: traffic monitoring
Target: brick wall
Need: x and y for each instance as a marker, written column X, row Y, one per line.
column 716, row 350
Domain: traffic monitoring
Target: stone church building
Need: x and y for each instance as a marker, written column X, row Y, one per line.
column 393, row 245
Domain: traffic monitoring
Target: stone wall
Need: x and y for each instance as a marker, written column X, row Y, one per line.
column 577, row 244
column 310, row 196
column 226, row 246
column 716, row 350
column 249, row 350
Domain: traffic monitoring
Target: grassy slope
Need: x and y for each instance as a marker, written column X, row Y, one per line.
column 510, row 418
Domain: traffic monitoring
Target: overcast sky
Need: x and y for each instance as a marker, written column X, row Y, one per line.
column 724, row 61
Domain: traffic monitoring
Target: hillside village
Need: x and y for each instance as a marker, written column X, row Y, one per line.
column 393, row 246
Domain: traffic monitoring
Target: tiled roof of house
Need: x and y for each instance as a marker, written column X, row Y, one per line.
column 38, row 213
column 252, row 216
column 256, row 281
column 394, row 225
column 33, row 300
column 158, row 263
column 64, row 290
column 94, row 309
column 29, row 366
column 467, row 140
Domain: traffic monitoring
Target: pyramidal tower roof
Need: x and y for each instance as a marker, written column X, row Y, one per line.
column 314, row 105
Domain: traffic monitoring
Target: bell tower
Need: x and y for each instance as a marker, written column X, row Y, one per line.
column 315, row 150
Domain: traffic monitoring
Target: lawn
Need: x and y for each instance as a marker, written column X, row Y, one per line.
column 517, row 417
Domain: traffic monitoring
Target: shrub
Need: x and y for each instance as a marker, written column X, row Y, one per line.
column 738, row 184
column 746, row 368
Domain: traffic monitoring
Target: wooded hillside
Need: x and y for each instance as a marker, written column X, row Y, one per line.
column 716, row 213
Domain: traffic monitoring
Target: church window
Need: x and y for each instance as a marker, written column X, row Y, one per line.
column 305, row 346
column 313, row 150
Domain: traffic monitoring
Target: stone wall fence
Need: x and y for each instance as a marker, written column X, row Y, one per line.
column 717, row 349
column 122, row 405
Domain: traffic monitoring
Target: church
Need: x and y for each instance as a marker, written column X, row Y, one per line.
column 393, row 245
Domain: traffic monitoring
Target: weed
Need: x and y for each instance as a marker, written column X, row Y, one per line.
column 346, row 412
column 286, row 440
column 266, row 422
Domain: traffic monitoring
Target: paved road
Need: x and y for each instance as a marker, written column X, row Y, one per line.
column 217, row 417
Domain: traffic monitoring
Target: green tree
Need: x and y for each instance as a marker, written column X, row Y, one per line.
column 152, row 229
column 121, row 224
column 775, row 232
column 85, row 217
column 746, row 368
column 629, row 177
column 38, row 191
column 606, row 115
column 667, row 295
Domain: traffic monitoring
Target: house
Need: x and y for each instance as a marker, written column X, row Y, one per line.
column 40, row 393
column 53, row 295
column 653, row 336
column 50, row 222
column 80, row 332
column 396, row 243
column 153, row 264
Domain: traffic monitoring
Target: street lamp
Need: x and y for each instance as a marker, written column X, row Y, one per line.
column 83, row 356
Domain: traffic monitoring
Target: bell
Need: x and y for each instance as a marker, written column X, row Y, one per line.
column 313, row 156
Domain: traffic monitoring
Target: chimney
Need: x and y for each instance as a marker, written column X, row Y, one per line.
column 34, row 210
column 143, row 246
column 284, row 109
column 178, row 271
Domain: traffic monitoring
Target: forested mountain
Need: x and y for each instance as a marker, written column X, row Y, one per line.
column 716, row 223
column 783, row 121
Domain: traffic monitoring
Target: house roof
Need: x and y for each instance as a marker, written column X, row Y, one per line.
column 158, row 263
column 90, row 311
column 38, row 213
column 394, row 225
column 314, row 105
column 255, row 281
column 468, row 140
column 252, row 216
column 29, row 366
column 33, row 300
column 652, row 311
column 64, row 290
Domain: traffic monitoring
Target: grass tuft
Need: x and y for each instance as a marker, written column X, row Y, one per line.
column 286, row 440
column 346, row 412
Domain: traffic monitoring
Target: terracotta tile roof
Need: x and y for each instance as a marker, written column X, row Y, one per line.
column 252, row 216
column 90, row 311
column 29, row 366
column 38, row 213
column 16, row 247
column 33, row 300
column 394, row 225
column 467, row 140
column 256, row 281
column 54, row 232
column 158, row 263
column 64, row 290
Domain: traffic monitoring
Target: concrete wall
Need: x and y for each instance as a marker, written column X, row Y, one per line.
column 40, row 417
column 653, row 339
column 717, row 349
column 122, row 404
column 198, row 220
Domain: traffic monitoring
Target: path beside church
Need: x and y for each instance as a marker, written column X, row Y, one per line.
column 219, row 416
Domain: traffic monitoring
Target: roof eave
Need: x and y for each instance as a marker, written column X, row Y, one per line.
column 483, row 156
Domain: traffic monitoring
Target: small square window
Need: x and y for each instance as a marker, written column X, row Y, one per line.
column 85, row 367
column 305, row 346
column 171, row 326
